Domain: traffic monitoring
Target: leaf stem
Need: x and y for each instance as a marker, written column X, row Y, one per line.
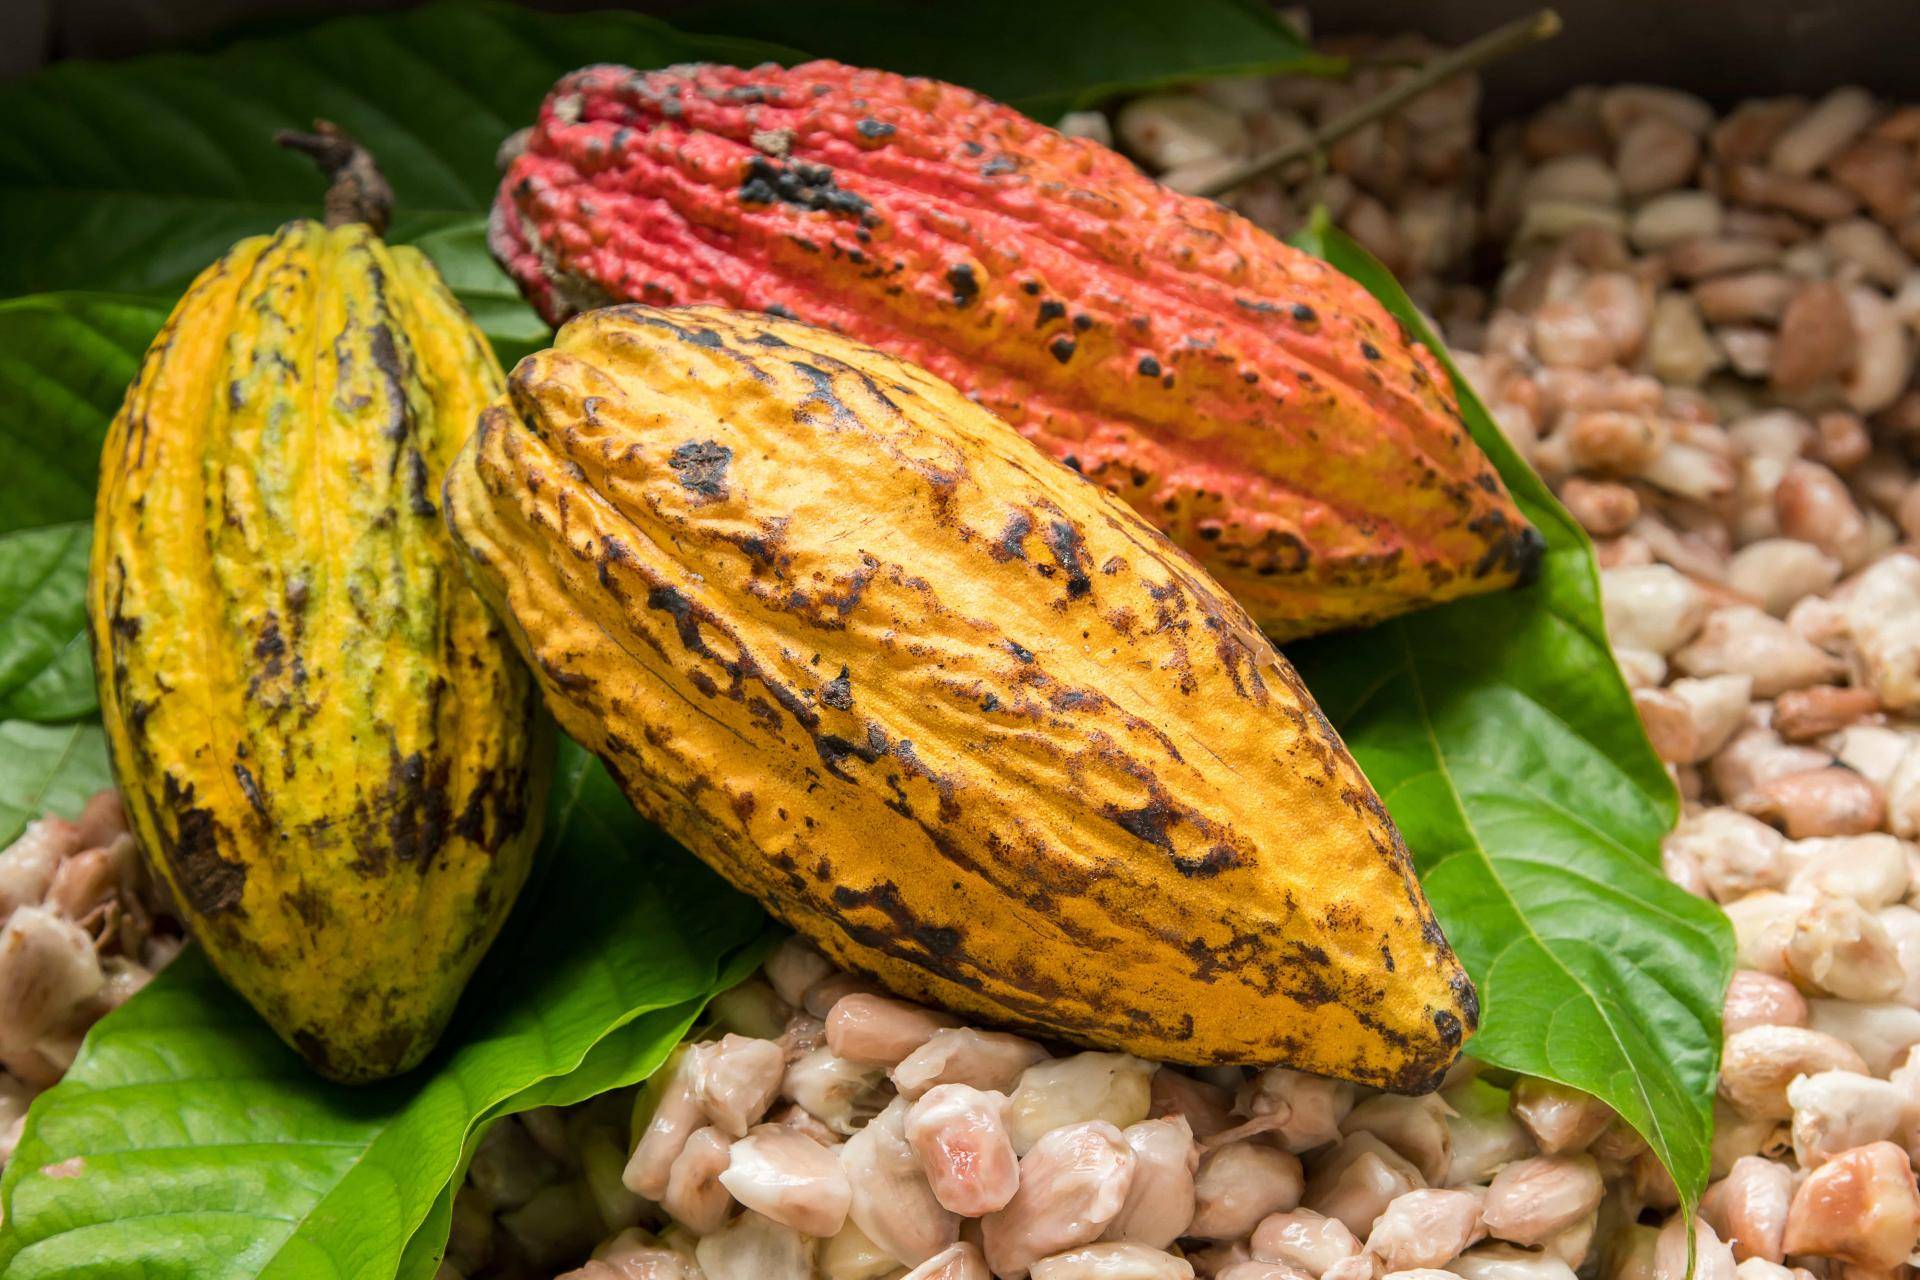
column 1541, row 25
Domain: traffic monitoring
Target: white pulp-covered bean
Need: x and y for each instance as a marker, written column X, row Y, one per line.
column 1112, row 1262
column 961, row 1055
column 1859, row 1207
column 891, row 1200
column 1357, row 1180
column 1308, row 1110
column 1748, row 1207
column 1426, row 1228
column 1416, row 1128
column 666, row 1113
column 1709, row 1256
column 1872, row 869
column 839, row 1093
column 1763, row 925
column 1651, row 607
column 1562, row 1120
column 1160, row 1199
column 1757, row 1064
column 1834, row 1111
column 793, row 968
column 1238, row 1184
column 1757, row 999
column 694, row 1196
column 1531, row 1201
column 1742, row 640
column 1496, row 1260
column 1113, row 1087
column 755, row 1248
column 784, row 1175
column 1073, row 1181
column 735, row 1080
column 959, row 1136
column 1301, row 1238
column 1878, row 1031
column 962, row 1261
column 879, row 1031
column 1838, row 948
column 48, row 968
column 1484, row 1133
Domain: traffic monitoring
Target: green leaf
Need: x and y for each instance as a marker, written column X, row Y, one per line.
column 1501, row 737
column 627, row 1056
column 205, row 1148
column 48, row 768
column 45, row 670
column 135, row 175
column 65, row 361
column 1042, row 58
column 488, row 293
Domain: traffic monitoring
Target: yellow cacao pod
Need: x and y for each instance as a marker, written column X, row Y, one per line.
column 328, row 747
column 950, row 710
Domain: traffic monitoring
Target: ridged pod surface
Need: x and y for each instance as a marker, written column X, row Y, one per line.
column 327, row 745
column 957, row 715
column 1256, row 405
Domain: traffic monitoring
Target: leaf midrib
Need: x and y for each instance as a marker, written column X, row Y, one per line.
column 1478, row 847
column 36, row 804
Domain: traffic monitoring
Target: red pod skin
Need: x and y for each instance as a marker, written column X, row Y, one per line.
column 1261, row 408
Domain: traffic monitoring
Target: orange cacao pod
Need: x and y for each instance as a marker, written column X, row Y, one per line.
column 1258, row 406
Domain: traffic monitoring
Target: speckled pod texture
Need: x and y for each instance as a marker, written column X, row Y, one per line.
column 327, row 745
column 1259, row 407
column 952, row 711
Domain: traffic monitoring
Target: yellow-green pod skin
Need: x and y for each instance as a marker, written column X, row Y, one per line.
column 328, row 748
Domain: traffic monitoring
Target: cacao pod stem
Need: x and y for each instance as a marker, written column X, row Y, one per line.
column 357, row 191
column 1494, row 45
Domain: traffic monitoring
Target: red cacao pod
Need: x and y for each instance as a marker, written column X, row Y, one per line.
column 1260, row 407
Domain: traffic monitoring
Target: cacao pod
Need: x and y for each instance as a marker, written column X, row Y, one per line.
column 1258, row 406
column 950, row 710
column 328, row 747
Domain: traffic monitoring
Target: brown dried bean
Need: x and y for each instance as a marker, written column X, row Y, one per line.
column 1746, row 298
column 1749, row 131
column 1812, row 504
column 1603, row 508
column 1807, row 198
column 1800, row 715
column 1815, row 343
column 1880, row 173
column 1815, row 137
column 1820, row 802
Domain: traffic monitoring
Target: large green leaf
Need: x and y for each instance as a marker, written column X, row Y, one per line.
column 1505, row 744
column 135, row 175
column 1042, row 58
column 45, row 673
column 65, row 361
column 626, row 1056
column 47, row 769
column 188, row 1141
